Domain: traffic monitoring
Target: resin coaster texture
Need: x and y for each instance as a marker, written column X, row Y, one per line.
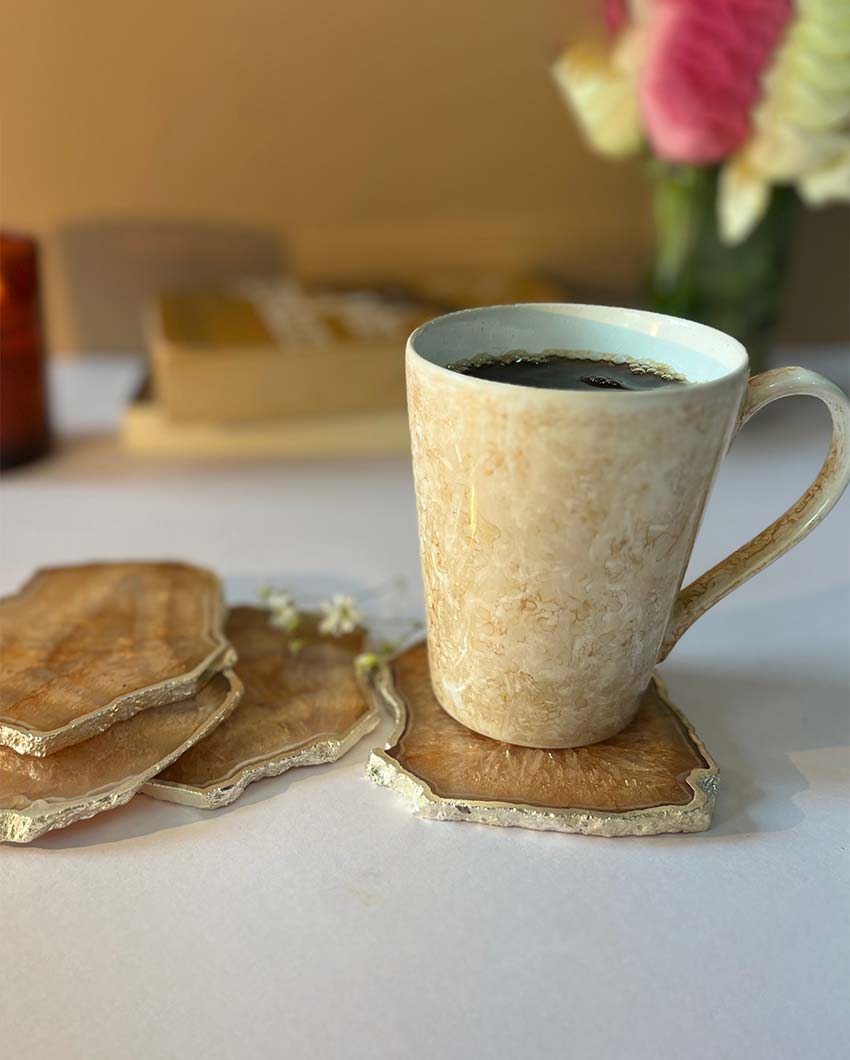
column 38, row 794
column 86, row 647
column 653, row 777
column 300, row 708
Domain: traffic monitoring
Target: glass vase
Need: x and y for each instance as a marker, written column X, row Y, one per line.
column 737, row 289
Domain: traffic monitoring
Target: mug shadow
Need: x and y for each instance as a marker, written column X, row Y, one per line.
column 753, row 725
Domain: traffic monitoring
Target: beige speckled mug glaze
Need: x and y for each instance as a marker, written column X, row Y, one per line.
column 555, row 526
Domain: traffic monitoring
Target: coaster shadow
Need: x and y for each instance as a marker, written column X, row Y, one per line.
column 144, row 816
column 753, row 724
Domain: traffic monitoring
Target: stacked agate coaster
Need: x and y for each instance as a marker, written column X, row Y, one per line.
column 114, row 673
column 653, row 777
column 299, row 708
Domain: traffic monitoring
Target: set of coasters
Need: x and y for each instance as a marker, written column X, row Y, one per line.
column 123, row 677
column 120, row 678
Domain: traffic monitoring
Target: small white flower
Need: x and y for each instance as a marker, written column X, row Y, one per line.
column 284, row 613
column 286, row 619
column 340, row 615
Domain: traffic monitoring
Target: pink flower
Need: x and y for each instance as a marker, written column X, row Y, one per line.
column 701, row 75
column 616, row 14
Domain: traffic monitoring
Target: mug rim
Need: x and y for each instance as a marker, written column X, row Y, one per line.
column 595, row 312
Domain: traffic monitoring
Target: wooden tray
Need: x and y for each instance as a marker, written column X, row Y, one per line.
column 653, row 777
column 298, row 709
column 86, row 647
column 274, row 350
column 39, row 794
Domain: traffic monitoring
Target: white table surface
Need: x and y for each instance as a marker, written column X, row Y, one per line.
column 317, row 917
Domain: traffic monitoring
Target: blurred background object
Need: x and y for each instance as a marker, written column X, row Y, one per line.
column 371, row 139
column 242, row 368
column 115, row 267
column 744, row 107
column 403, row 151
column 24, row 429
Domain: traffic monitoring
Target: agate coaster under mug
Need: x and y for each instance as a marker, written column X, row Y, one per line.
column 654, row 776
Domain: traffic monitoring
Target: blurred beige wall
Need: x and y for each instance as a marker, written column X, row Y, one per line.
column 356, row 138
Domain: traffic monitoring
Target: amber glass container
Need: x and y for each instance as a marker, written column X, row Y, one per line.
column 24, row 429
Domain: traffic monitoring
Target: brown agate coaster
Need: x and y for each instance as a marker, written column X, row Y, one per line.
column 301, row 707
column 38, row 794
column 86, row 647
column 655, row 776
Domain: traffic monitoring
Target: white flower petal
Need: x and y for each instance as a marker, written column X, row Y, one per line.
column 603, row 96
column 830, row 183
column 341, row 615
column 742, row 198
column 800, row 125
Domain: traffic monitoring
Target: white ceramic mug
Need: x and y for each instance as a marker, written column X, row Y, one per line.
column 555, row 526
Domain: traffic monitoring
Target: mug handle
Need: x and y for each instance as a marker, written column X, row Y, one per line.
column 788, row 529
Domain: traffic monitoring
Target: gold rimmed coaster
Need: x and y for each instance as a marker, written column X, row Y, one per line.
column 86, row 647
column 653, row 777
column 39, row 794
column 300, row 708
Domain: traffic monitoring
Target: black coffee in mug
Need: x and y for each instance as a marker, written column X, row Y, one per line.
column 565, row 370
